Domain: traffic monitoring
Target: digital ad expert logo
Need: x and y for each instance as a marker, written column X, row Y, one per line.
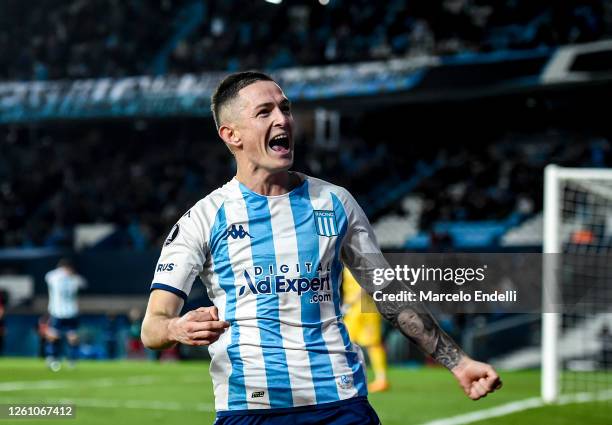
column 317, row 288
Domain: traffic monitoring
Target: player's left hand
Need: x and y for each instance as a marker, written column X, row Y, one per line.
column 477, row 379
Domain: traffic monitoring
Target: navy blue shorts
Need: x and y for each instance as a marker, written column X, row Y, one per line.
column 64, row 325
column 356, row 411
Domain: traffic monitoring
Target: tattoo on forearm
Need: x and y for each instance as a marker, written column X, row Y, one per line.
column 447, row 352
column 420, row 327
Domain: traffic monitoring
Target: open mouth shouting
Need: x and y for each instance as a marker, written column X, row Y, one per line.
column 280, row 143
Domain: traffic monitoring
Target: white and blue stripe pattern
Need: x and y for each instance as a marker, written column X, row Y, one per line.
column 63, row 288
column 291, row 313
column 284, row 349
column 335, row 334
column 275, row 358
column 308, row 251
column 351, row 353
column 236, row 399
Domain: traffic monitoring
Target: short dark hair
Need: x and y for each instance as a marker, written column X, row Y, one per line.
column 228, row 89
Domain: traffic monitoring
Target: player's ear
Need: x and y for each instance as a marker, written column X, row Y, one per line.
column 230, row 136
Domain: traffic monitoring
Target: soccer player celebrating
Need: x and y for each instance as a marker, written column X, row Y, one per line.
column 63, row 283
column 269, row 246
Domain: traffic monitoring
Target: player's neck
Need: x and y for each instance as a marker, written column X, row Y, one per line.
column 268, row 184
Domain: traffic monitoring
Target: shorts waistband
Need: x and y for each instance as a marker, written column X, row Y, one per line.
column 283, row 410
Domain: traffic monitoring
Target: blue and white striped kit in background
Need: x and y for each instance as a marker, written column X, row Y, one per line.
column 272, row 265
column 63, row 290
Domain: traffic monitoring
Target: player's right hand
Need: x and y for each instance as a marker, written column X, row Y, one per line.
column 197, row 327
column 477, row 379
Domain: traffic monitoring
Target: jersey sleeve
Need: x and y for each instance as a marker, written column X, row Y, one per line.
column 182, row 257
column 360, row 251
column 49, row 277
column 81, row 283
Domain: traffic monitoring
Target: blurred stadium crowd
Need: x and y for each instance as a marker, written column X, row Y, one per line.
column 507, row 177
column 143, row 176
column 96, row 38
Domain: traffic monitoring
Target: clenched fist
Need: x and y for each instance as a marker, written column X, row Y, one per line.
column 197, row 327
column 477, row 379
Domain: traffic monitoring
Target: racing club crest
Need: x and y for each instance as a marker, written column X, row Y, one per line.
column 325, row 221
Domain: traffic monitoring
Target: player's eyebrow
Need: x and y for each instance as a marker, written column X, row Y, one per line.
column 284, row 102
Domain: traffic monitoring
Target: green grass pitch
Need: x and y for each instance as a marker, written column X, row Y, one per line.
column 131, row 392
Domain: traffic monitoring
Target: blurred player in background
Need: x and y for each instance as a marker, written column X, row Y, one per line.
column 64, row 284
column 364, row 325
column 269, row 246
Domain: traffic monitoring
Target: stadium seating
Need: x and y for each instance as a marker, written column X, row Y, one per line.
column 475, row 205
column 572, row 345
column 392, row 230
column 527, row 233
column 81, row 39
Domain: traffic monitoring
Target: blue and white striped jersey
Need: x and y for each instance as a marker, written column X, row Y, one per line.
column 272, row 265
column 63, row 288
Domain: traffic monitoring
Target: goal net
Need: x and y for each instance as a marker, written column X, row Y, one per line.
column 577, row 285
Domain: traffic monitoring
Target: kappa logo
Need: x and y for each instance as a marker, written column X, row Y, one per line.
column 236, row 233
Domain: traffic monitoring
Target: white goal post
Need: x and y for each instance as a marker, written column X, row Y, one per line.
column 577, row 224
